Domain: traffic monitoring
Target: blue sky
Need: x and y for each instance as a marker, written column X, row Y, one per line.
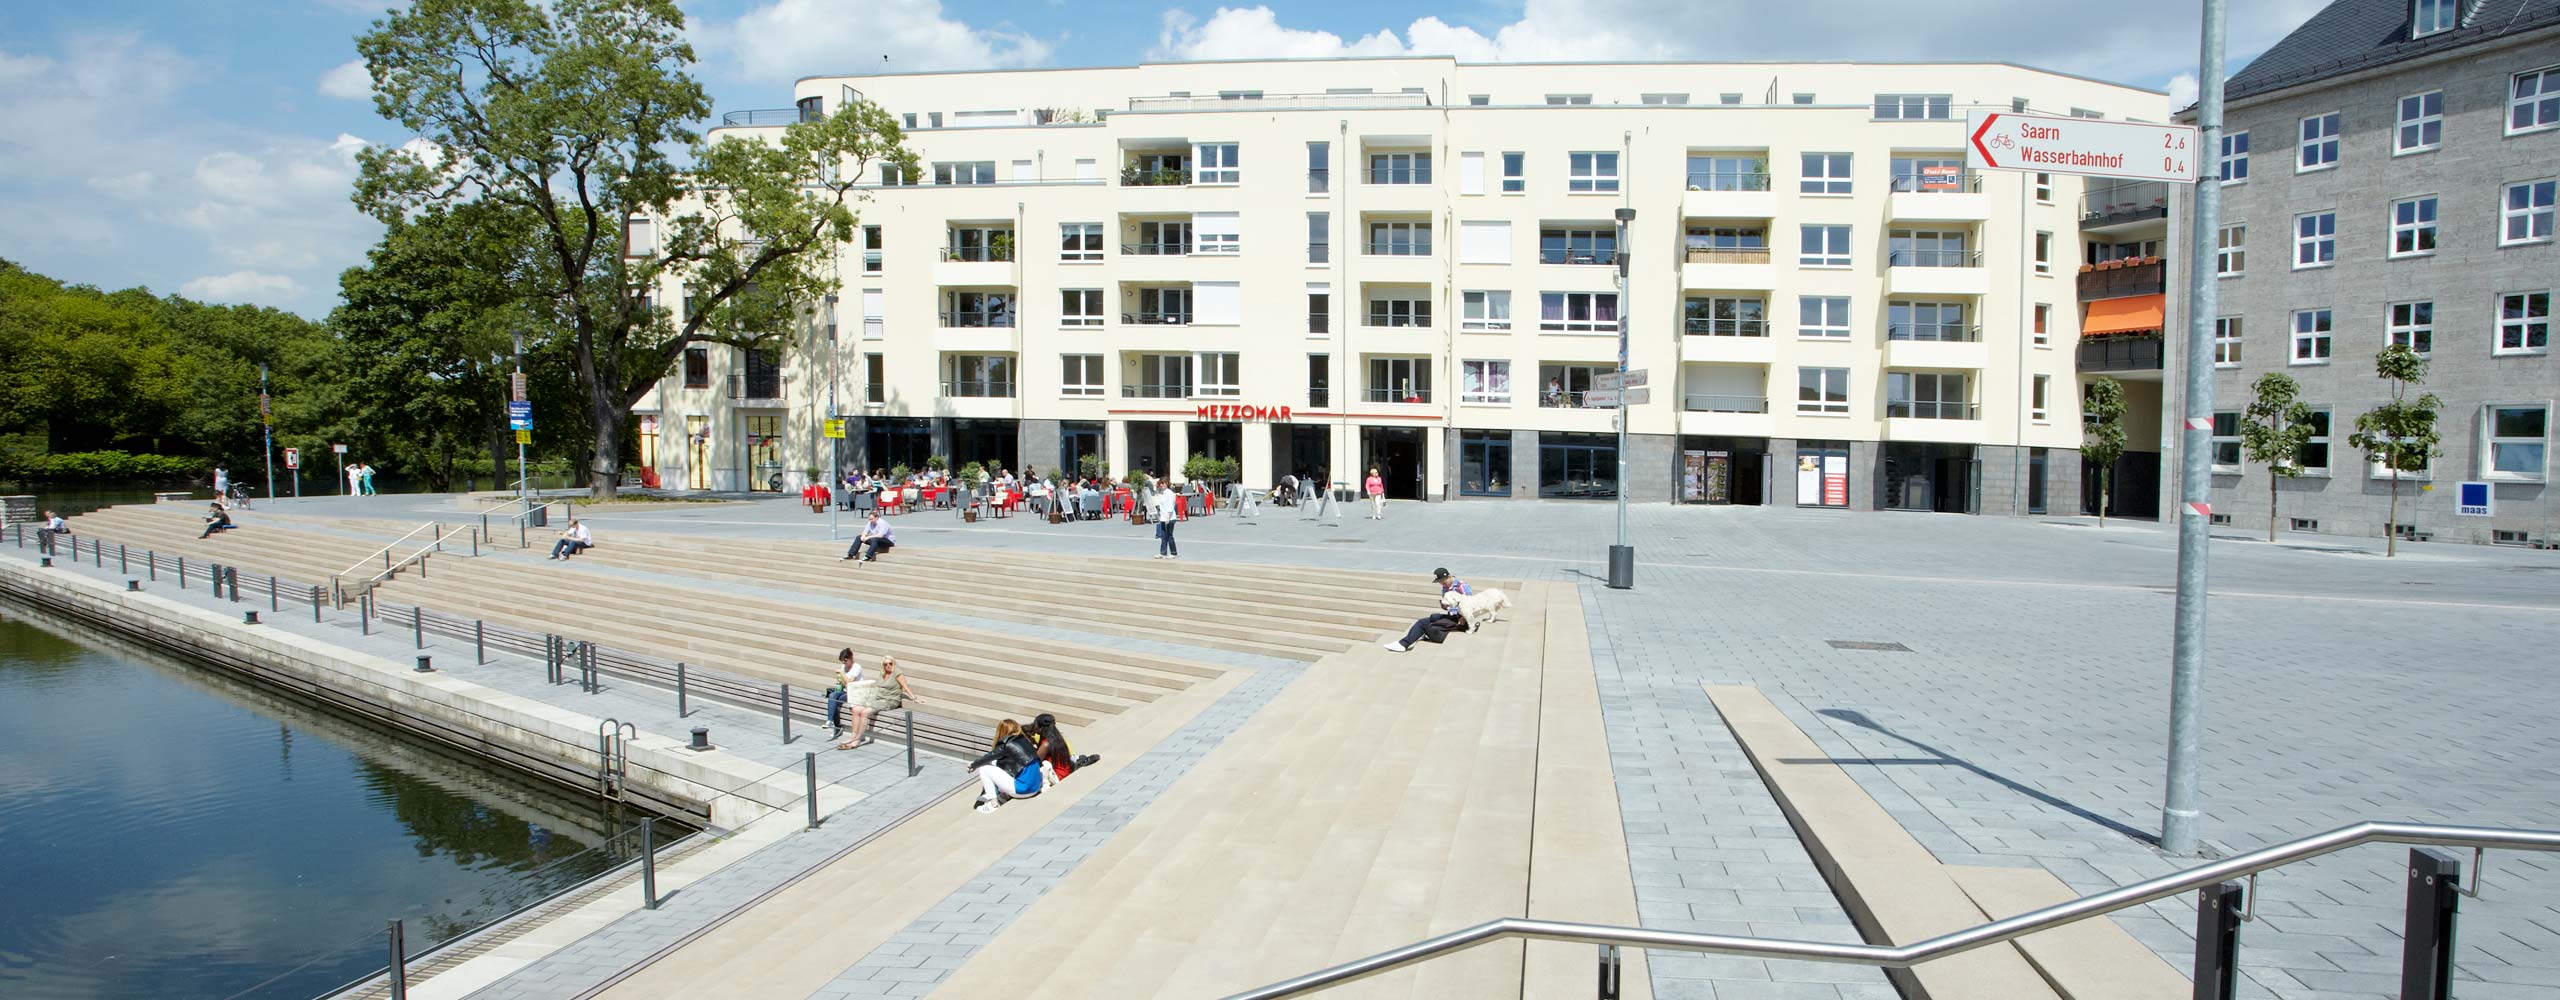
column 206, row 147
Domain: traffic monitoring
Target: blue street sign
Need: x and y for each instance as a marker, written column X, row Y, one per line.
column 519, row 416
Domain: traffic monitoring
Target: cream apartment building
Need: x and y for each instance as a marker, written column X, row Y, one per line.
column 1414, row 264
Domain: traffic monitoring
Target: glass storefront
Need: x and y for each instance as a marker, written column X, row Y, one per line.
column 898, row 441
column 1577, row 466
column 1822, row 473
column 1484, row 463
column 1077, row 439
column 764, row 453
column 1932, row 477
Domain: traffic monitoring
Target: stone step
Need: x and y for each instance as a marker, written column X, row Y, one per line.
column 2092, row 959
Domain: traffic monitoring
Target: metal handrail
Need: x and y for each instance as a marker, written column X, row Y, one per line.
column 1941, row 946
column 337, row 581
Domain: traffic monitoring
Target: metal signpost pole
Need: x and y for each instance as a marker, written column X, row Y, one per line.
column 1622, row 556
column 267, row 431
column 518, row 396
column 2181, row 810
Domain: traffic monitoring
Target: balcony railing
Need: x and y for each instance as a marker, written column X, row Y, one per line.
column 1964, row 182
column 1155, row 391
column 1136, row 177
column 1251, row 102
column 1319, row 397
column 1319, row 321
column 1593, row 255
column 1395, row 320
column 999, row 253
column 765, row 385
column 1421, row 395
column 1949, row 333
column 1930, row 410
column 2117, row 204
column 1934, row 258
column 2120, row 278
column 2120, row 353
column 969, row 318
column 1159, row 248
column 1160, row 317
column 977, row 389
column 1400, row 175
column 1709, row 402
column 1418, row 248
column 763, row 116
column 1717, row 180
column 1080, row 319
column 1733, row 255
column 1712, row 327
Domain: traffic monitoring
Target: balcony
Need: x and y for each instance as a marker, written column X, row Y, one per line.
column 2118, row 279
column 1134, row 176
column 1708, row 402
column 1732, row 341
column 1939, row 198
column 761, row 117
column 1605, row 256
column 1935, row 345
column 1568, row 400
column 1383, row 320
column 978, row 389
column 1155, row 391
column 1741, row 269
column 989, row 263
column 963, row 319
column 2121, row 353
column 1157, row 248
column 1157, row 317
column 756, row 388
column 1724, row 195
column 2123, row 206
column 1400, row 175
column 1930, row 409
column 1408, row 395
column 1936, row 272
column 1397, row 248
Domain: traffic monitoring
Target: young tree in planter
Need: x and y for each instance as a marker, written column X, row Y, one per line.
column 2278, row 426
column 2399, row 435
column 2102, row 413
column 569, row 111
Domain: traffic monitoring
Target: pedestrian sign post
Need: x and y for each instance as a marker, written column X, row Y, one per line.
column 293, row 458
column 1635, row 378
column 516, row 387
column 524, row 437
column 2091, row 147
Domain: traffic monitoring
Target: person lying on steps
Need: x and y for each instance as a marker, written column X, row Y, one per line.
column 1011, row 770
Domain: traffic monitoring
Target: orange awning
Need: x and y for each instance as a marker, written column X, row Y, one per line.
column 2132, row 314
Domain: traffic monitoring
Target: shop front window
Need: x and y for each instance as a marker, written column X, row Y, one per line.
column 1577, row 467
column 1484, row 463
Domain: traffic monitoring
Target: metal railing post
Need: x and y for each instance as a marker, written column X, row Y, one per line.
column 550, row 658
column 182, row 572
column 786, row 713
column 315, row 604
column 151, row 562
column 680, row 709
column 911, row 742
column 120, row 559
column 2217, row 971
column 1611, row 973
column 479, row 641
column 2426, row 948
column 417, row 624
column 648, row 865
column 399, row 972
column 275, row 601
column 812, row 765
column 475, row 544
column 587, row 666
column 364, row 613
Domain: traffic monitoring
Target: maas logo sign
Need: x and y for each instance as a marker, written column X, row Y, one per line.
column 2474, row 500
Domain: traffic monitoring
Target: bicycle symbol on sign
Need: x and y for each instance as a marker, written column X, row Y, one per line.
column 2004, row 141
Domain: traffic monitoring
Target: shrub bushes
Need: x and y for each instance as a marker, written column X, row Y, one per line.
column 99, row 465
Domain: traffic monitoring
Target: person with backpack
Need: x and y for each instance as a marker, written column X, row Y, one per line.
column 1009, row 770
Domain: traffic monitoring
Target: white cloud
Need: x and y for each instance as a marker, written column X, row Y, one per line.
column 125, row 186
column 787, row 39
column 347, row 81
column 2182, row 90
column 1545, row 31
column 243, row 286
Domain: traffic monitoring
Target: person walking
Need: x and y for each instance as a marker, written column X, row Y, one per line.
column 368, row 479
column 1377, row 490
column 1163, row 507
column 221, row 482
column 355, row 479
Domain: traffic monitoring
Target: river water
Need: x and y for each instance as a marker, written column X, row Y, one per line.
column 166, row 831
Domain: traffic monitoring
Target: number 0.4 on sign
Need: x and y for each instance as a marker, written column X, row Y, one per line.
column 2092, row 147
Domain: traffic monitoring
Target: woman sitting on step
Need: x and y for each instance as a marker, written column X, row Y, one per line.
column 866, row 699
column 1053, row 747
column 1009, row 771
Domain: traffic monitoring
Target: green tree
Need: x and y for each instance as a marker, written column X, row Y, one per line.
column 2278, row 426
column 2102, row 417
column 570, row 111
column 2399, row 435
column 424, row 337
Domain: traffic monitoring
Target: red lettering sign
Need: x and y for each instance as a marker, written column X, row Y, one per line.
column 1239, row 411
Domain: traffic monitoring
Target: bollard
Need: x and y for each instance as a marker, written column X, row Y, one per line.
column 2217, row 971
column 364, row 613
column 248, row 618
column 2426, row 943
column 417, row 624
column 275, row 601
column 132, row 585
column 813, row 790
column 151, row 561
column 680, row 709
column 399, row 970
column 648, row 865
column 120, row 563
column 182, row 572
column 1610, row 973
column 425, row 663
column 231, row 575
column 315, row 604
column 479, row 641
column 701, row 738
column 47, row 562
column 786, row 713
column 911, row 742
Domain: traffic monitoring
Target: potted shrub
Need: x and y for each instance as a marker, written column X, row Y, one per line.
column 899, row 473
column 937, row 463
column 1089, row 467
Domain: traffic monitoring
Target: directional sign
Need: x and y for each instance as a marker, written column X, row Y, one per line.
column 1601, row 399
column 1636, row 395
column 2006, row 140
column 293, row 458
column 339, row 448
column 520, row 415
column 1620, row 380
column 524, row 437
column 517, row 384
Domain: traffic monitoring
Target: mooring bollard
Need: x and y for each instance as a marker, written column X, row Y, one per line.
column 680, row 709
column 248, row 618
column 426, row 664
column 786, row 713
column 132, row 585
column 813, row 790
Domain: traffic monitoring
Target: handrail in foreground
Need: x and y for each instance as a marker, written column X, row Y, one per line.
column 1905, row 956
column 337, row 581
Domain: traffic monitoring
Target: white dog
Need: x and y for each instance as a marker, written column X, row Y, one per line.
column 1481, row 608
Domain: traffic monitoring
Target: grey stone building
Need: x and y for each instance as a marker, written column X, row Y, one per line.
column 2388, row 176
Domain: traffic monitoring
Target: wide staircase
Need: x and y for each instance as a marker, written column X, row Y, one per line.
column 260, row 544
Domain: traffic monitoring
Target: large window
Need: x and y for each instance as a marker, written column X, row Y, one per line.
column 1931, row 173
column 1906, row 107
column 1927, row 395
column 1484, row 381
column 1079, row 307
column 1515, row 173
column 2421, row 126
column 1578, row 312
column 2525, row 216
column 1578, row 246
column 1399, row 168
column 1484, row 310
column 1167, row 306
column 1822, row 390
column 1934, row 321
column 1824, row 246
column 1728, row 244
column 1577, row 466
column 1567, row 386
column 1928, row 248
column 977, row 309
column 1591, row 173
column 2315, row 240
column 1081, row 375
column 1319, row 167
column 697, row 368
column 1825, row 173
column 1161, row 376
column 2413, row 227
column 1319, row 237
column 1220, row 375
column 2226, row 441
column 2533, row 100
column 2524, row 323
column 2226, row 341
column 1484, row 463
column 1217, row 164
column 978, row 376
column 2313, row 457
column 2412, row 325
column 1160, row 239
column 875, row 379
column 1399, row 380
column 1713, row 172
column 2517, row 441
column 2311, row 337
column 1400, row 311
column 1080, row 241
column 967, row 172
column 1724, row 316
column 2231, row 251
column 1319, row 380
column 2319, row 145
column 1822, row 317
column 1400, row 239
column 2234, row 164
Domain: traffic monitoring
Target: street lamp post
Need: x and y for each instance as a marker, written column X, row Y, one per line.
column 1622, row 556
column 267, row 429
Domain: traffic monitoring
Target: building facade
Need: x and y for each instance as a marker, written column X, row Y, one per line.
column 2388, row 177
column 1416, row 265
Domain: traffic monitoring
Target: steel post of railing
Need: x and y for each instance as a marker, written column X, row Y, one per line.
column 150, row 562
column 364, row 613
column 182, row 572
column 315, row 604
column 786, row 713
column 399, row 971
column 479, row 641
column 648, row 865
column 1611, row 973
column 595, row 678
column 911, row 742
column 812, row 768
column 275, row 601
column 2426, row 944
column 2217, row 971
column 680, row 707
column 417, row 623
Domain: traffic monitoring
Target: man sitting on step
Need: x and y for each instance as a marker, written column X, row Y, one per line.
column 877, row 537
column 215, row 520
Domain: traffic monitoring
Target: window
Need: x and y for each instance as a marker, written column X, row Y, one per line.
column 1822, row 317
column 1803, row 98
column 1822, row 390
column 2035, row 399
column 1578, row 312
column 2526, row 217
column 1217, row 163
column 1400, row 312
column 1591, row 173
column 1471, row 173
column 1157, row 170
column 2421, row 123
column 1929, row 248
column 875, row 379
column 1319, row 380
column 1484, row 463
column 970, row 172
column 1217, row 232
column 2524, row 323
column 2044, row 189
column 2311, row 337
column 1713, row 172
column 1930, row 173
column 2412, row 325
column 2431, row 16
column 1906, row 107
column 1721, row 316
column 1484, row 381
column 1399, row 168
column 2234, row 164
column 2313, row 457
column 2533, row 101
column 2315, row 240
column 1932, row 321
column 1484, row 310
column 870, row 249
column 977, row 309
column 2231, row 251
column 2044, row 252
column 697, row 368
column 1319, row 237
column 1157, row 239
column 1080, row 241
column 2226, row 342
column 978, row 243
column 1400, row 239
column 875, row 312
column 2043, row 330
column 2516, row 441
column 1399, row 380
column 2226, row 442
column 1577, row 246
column 2319, row 146
column 1081, row 375
column 1728, row 244
column 1479, row 100
column 893, row 175
column 1568, row 386
column 1515, row 173
column 1079, row 307
column 2086, row 113
column 1220, row 375
column 1568, row 99
column 1319, row 309
column 1825, row 173
column 1319, row 167
column 2413, row 227
column 1824, row 246
column 1672, row 99
column 1164, row 306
